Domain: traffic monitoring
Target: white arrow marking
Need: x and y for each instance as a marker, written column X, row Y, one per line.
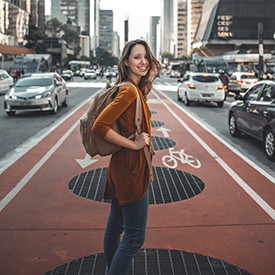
column 86, row 161
column 164, row 131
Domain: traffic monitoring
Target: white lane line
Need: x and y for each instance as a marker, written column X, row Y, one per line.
column 33, row 141
column 36, row 167
column 265, row 206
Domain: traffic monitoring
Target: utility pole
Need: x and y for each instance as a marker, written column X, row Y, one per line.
column 261, row 48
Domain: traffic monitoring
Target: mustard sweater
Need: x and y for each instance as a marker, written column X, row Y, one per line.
column 128, row 173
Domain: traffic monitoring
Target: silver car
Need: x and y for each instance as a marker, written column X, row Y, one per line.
column 38, row 91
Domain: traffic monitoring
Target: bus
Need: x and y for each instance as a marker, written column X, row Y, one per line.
column 76, row 65
column 208, row 64
column 32, row 63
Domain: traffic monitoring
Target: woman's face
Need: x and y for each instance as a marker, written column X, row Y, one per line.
column 137, row 63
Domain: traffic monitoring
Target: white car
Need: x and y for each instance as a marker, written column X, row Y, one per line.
column 90, row 74
column 5, row 81
column 201, row 87
column 241, row 81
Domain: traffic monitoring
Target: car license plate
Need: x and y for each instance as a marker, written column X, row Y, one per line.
column 207, row 95
column 25, row 103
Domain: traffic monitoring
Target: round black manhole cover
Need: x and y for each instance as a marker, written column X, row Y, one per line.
column 170, row 185
column 155, row 123
column 153, row 262
column 161, row 143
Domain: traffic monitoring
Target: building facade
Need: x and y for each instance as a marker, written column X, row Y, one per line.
column 181, row 29
column 230, row 29
column 166, row 26
column 75, row 12
column 106, row 35
column 37, row 13
column 194, row 10
column 153, row 34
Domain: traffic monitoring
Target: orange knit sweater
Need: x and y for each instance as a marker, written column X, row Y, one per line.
column 128, row 173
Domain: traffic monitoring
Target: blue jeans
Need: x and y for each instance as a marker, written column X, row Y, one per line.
column 131, row 219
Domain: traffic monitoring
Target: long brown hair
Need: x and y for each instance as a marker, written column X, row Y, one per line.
column 146, row 82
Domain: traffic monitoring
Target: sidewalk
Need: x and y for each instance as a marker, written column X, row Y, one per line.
column 211, row 212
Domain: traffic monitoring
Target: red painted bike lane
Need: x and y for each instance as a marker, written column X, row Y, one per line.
column 43, row 224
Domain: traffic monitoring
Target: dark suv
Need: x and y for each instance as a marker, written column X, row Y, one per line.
column 254, row 114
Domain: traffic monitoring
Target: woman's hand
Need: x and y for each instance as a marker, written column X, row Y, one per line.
column 141, row 140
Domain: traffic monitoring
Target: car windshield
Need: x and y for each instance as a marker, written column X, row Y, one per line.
column 29, row 81
column 205, row 78
column 90, row 71
column 248, row 76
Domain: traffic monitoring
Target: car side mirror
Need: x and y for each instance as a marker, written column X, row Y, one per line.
column 180, row 80
column 238, row 97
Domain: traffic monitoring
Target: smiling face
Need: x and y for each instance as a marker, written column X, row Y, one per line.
column 137, row 63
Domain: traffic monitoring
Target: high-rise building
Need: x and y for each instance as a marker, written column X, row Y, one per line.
column 75, row 12
column 116, row 47
column 106, row 36
column 152, row 36
column 194, row 10
column 37, row 13
column 94, row 24
column 166, row 26
column 181, row 29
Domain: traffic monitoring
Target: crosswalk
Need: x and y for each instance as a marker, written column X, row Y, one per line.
column 159, row 84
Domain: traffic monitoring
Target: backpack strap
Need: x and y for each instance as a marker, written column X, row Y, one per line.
column 138, row 121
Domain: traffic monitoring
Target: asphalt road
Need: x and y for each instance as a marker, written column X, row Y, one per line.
column 19, row 131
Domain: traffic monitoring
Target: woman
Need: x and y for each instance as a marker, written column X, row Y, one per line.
column 128, row 174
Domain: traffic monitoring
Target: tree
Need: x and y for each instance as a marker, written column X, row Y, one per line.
column 105, row 58
column 167, row 55
column 33, row 38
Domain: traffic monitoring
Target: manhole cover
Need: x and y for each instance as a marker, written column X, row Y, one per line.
column 153, row 262
column 161, row 143
column 155, row 123
column 170, row 185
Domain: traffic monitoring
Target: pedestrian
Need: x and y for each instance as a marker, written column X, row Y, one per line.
column 128, row 174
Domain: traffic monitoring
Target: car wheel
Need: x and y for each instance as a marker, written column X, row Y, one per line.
column 66, row 101
column 55, row 106
column 269, row 144
column 187, row 102
column 233, row 129
column 220, row 104
column 11, row 113
column 178, row 96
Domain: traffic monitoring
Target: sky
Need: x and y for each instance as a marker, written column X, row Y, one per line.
column 138, row 12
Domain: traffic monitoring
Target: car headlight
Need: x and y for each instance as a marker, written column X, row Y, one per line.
column 48, row 94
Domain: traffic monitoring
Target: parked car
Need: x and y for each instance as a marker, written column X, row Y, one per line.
column 5, row 81
column 38, row 91
column 201, row 87
column 241, row 81
column 67, row 75
column 90, row 74
column 254, row 114
column 175, row 74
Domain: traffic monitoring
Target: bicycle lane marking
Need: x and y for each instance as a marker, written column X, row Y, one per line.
column 5, row 201
column 265, row 206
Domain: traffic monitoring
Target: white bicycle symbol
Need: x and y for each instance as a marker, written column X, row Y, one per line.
column 171, row 160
